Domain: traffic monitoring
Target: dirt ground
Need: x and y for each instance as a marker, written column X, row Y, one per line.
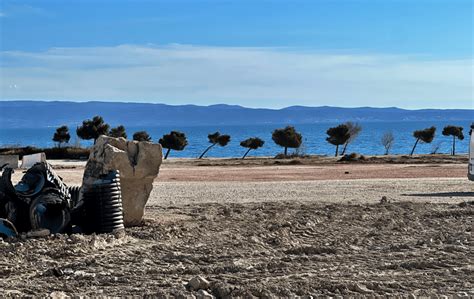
column 269, row 230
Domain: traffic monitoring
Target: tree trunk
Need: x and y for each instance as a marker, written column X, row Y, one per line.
column 454, row 145
column 167, row 153
column 345, row 147
column 286, row 151
column 386, row 151
column 246, row 153
column 207, row 149
column 413, row 150
column 337, row 151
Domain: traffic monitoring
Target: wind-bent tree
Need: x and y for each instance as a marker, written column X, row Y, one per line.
column 214, row 139
column 141, row 136
column 118, row 132
column 92, row 128
column 456, row 132
column 354, row 131
column 426, row 136
column 337, row 136
column 61, row 135
column 387, row 141
column 287, row 138
column 173, row 141
column 251, row 144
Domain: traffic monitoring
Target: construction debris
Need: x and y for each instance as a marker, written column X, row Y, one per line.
column 42, row 204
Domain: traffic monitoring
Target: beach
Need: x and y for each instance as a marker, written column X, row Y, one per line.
column 266, row 227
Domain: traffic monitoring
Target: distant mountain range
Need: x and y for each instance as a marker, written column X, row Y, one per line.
column 34, row 114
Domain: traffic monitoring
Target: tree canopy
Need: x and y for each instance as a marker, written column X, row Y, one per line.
column 173, row 141
column 287, row 137
column 252, row 144
column 338, row 135
column 354, row 131
column 141, row 136
column 426, row 135
column 92, row 128
column 456, row 132
column 118, row 131
column 216, row 138
column 62, row 135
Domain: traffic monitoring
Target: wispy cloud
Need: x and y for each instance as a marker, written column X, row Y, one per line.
column 12, row 9
column 268, row 77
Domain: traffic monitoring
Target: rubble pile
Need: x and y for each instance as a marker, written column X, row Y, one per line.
column 117, row 182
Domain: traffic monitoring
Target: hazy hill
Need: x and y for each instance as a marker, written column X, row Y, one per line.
column 30, row 114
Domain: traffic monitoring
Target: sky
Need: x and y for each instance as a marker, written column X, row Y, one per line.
column 256, row 53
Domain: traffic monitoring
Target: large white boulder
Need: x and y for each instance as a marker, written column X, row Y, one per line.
column 138, row 163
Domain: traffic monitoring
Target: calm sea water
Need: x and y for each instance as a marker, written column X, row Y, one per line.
column 314, row 136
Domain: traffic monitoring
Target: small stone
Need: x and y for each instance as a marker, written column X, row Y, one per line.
column 39, row 233
column 58, row 294
column 384, row 199
column 197, row 283
column 204, row 295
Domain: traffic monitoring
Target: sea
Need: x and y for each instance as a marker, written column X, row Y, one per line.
column 314, row 138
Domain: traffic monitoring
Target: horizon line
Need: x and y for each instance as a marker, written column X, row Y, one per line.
column 227, row 105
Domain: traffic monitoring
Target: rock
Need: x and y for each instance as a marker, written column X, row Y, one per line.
column 201, row 294
column 138, row 164
column 198, row 283
column 39, row 233
column 58, row 294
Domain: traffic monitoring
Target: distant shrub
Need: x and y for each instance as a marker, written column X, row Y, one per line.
column 353, row 157
column 72, row 153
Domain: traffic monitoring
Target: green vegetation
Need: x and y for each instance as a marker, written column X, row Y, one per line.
column 456, row 132
column 251, row 144
column 173, row 141
column 141, row 136
column 214, row 139
column 288, row 138
column 118, row 131
column 354, row 131
column 61, row 135
column 426, row 135
column 92, row 128
column 72, row 153
column 338, row 136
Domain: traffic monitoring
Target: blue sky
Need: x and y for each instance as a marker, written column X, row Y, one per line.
column 257, row 53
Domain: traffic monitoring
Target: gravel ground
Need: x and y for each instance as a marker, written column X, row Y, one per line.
column 258, row 249
column 284, row 236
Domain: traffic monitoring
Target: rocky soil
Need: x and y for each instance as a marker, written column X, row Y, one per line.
column 285, row 248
